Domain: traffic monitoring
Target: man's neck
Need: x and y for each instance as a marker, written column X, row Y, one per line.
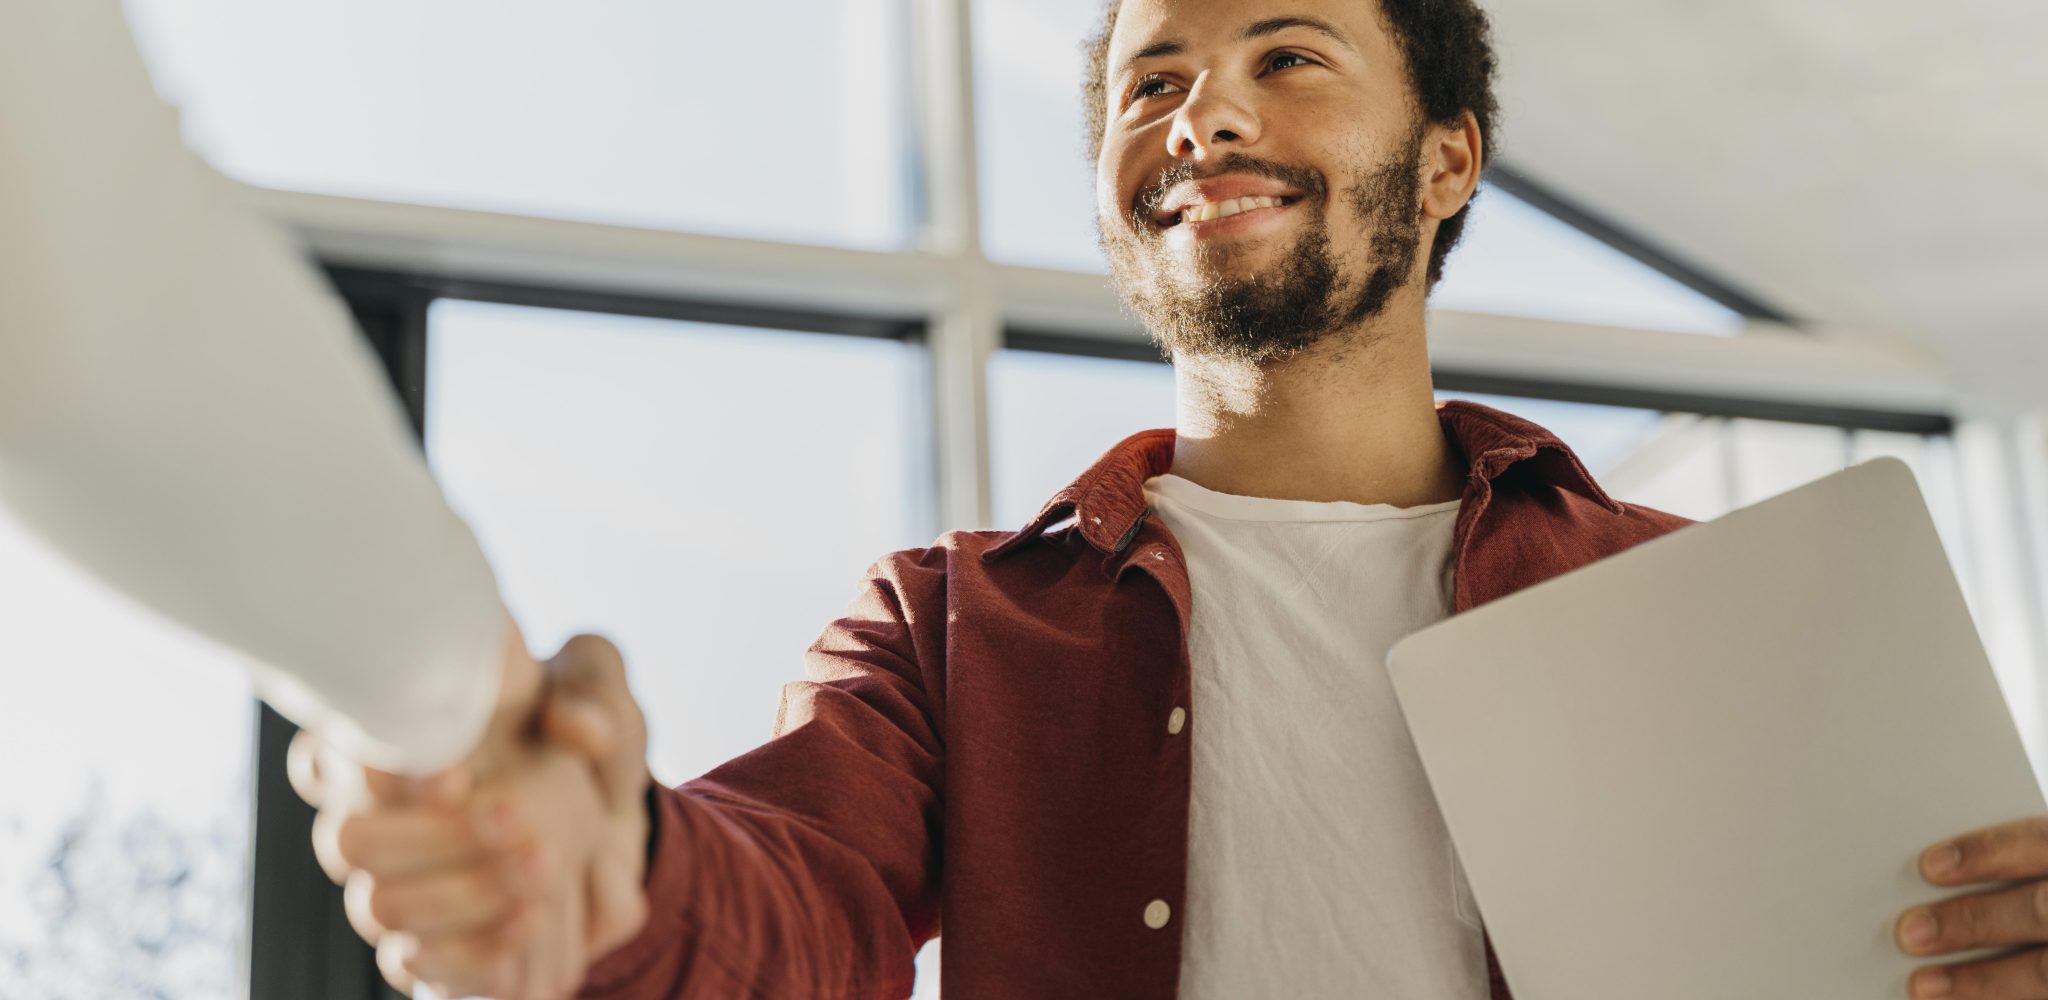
column 1353, row 418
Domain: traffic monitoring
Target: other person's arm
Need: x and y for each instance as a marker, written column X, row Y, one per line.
column 187, row 412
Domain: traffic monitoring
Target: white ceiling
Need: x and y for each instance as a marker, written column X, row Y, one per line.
column 1878, row 167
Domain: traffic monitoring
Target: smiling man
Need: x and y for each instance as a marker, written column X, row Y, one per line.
column 1144, row 745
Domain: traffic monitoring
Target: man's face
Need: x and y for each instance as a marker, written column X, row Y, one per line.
column 1259, row 182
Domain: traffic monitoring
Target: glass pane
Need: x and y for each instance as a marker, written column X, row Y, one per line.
column 1771, row 458
column 1602, row 436
column 707, row 496
column 124, row 830
column 1035, row 448
column 638, row 112
column 1516, row 260
column 1685, row 471
column 1037, row 185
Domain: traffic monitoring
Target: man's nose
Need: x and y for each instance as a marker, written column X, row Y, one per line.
column 1210, row 117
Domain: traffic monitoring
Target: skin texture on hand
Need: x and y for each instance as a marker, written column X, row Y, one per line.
column 507, row 875
column 1998, row 917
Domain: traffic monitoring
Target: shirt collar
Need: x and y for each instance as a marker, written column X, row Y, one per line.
column 1108, row 501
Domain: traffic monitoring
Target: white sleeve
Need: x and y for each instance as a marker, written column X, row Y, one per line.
column 187, row 412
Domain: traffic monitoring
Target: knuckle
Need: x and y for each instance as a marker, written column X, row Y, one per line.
column 394, row 962
column 302, row 767
column 355, row 903
column 326, row 851
column 2037, row 966
column 2037, row 904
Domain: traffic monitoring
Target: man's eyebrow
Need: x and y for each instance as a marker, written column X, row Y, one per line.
column 1152, row 51
column 1256, row 29
column 1275, row 25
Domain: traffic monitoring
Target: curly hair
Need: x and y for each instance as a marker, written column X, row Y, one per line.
column 1448, row 46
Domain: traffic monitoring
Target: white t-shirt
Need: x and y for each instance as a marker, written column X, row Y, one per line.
column 1319, row 865
column 187, row 412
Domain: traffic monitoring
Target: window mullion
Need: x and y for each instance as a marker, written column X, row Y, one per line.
column 967, row 329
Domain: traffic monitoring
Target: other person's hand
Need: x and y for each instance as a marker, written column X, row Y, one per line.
column 508, row 874
column 1990, row 918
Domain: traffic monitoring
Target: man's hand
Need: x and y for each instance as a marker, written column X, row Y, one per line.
column 1993, row 918
column 508, row 874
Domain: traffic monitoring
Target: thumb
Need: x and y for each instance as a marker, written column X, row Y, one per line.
column 590, row 710
column 575, row 723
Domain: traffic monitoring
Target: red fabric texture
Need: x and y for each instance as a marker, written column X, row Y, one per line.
column 983, row 735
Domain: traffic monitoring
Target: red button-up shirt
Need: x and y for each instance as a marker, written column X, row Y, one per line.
column 983, row 743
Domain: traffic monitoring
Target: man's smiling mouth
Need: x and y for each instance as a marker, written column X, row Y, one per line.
column 1215, row 199
column 1214, row 210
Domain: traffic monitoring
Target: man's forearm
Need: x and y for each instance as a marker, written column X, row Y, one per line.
column 745, row 901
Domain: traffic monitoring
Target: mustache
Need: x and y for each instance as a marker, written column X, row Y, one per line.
column 1153, row 195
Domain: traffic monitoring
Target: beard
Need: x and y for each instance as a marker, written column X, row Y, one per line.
column 1306, row 294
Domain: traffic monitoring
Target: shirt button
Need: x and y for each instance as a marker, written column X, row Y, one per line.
column 1157, row 913
column 1176, row 721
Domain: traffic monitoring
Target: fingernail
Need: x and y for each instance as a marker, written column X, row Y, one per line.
column 1942, row 860
column 1931, row 983
column 1918, row 929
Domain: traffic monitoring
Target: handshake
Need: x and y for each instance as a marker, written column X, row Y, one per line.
column 507, row 874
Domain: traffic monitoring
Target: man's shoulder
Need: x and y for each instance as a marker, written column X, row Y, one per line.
column 1535, row 534
column 967, row 553
column 960, row 572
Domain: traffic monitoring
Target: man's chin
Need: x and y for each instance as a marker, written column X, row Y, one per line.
column 1236, row 260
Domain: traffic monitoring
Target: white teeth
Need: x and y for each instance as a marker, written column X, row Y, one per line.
column 1209, row 211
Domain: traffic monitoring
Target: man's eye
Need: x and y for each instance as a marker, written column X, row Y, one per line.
column 1149, row 87
column 1286, row 60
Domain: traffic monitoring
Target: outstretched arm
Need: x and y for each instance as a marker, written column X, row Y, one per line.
column 187, row 412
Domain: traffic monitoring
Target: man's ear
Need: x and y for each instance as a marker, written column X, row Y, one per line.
column 1453, row 154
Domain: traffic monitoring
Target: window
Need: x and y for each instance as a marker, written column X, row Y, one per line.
column 707, row 496
column 1515, row 260
column 1037, row 186
column 638, row 112
column 124, row 832
column 1052, row 415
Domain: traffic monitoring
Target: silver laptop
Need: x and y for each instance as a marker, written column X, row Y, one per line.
column 1705, row 768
